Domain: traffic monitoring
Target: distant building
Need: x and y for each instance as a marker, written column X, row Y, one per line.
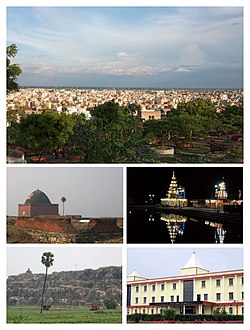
column 28, row 271
column 145, row 114
column 194, row 291
column 37, row 204
column 176, row 196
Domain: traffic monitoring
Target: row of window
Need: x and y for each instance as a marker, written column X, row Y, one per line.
column 152, row 310
column 203, row 284
column 205, row 297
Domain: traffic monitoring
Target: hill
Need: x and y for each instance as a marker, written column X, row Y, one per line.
column 66, row 288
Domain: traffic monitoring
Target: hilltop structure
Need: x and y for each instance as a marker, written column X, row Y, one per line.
column 37, row 204
column 194, row 291
column 176, row 196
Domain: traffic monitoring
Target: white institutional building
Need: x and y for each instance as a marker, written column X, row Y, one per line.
column 194, row 291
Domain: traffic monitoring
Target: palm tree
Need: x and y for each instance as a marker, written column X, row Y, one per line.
column 47, row 260
column 63, row 200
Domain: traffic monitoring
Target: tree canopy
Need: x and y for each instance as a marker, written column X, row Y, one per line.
column 196, row 118
column 43, row 132
column 12, row 70
column 113, row 135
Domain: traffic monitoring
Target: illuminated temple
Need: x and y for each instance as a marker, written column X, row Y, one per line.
column 175, row 196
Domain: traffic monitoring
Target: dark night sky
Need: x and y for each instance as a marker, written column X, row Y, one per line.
column 199, row 182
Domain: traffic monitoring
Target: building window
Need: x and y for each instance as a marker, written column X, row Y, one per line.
column 144, row 311
column 242, row 280
column 203, row 284
column 242, row 310
column 144, row 300
column 162, row 287
column 153, row 287
column 231, row 281
column 218, row 282
column 135, row 311
column 174, row 286
column 161, row 311
column 230, row 295
column 136, row 300
column 217, row 296
column 242, row 295
column 230, row 310
column 162, row 298
column 153, row 299
column 188, row 290
column 205, row 296
column 137, row 289
column 172, row 298
column 152, row 311
column 145, row 288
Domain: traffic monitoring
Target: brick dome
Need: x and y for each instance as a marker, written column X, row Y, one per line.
column 37, row 197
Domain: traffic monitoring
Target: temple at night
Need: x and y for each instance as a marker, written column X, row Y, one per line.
column 176, row 196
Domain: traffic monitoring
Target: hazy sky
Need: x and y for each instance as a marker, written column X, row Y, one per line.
column 19, row 259
column 128, row 46
column 95, row 191
column 159, row 262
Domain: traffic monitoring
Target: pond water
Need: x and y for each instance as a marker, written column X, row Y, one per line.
column 147, row 226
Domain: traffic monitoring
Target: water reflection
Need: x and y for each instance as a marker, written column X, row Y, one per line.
column 175, row 224
column 152, row 226
column 219, row 231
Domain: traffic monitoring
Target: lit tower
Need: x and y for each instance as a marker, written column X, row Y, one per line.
column 173, row 191
column 176, row 196
column 220, row 191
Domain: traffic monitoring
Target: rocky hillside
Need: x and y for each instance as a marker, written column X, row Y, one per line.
column 71, row 288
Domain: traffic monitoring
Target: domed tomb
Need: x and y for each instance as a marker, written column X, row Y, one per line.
column 37, row 204
column 37, row 197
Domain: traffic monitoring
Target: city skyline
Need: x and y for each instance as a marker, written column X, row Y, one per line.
column 90, row 192
column 157, row 47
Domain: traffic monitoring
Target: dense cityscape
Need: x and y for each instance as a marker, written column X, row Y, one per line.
column 82, row 100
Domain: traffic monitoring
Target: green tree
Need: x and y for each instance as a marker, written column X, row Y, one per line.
column 163, row 131
column 230, row 120
column 197, row 117
column 12, row 70
column 113, row 135
column 43, row 132
column 110, row 304
column 47, row 260
column 169, row 313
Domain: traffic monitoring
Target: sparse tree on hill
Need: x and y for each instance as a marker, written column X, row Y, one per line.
column 47, row 260
column 12, row 70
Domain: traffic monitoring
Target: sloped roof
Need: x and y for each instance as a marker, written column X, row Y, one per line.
column 193, row 262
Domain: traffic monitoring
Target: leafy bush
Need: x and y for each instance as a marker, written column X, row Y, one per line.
column 109, row 304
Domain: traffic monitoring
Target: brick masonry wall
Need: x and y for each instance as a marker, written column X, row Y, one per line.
column 56, row 225
column 33, row 210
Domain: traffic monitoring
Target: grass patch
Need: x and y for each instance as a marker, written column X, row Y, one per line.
column 63, row 315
